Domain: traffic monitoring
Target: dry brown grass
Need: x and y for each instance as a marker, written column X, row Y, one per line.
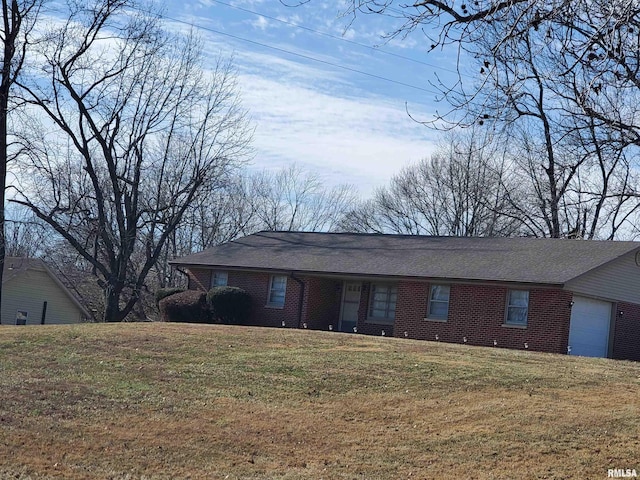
column 184, row 401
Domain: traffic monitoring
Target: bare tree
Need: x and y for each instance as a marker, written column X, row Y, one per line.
column 18, row 20
column 464, row 189
column 26, row 235
column 561, row 77
column 291, row 199
column 134, row 129
column 601, row 202
column 222, row 211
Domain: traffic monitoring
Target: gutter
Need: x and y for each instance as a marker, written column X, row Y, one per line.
column 379, row 276
column 179, row 269
column 301, row 298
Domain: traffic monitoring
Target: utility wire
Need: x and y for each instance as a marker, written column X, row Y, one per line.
column 301, row 55
column 334, row 37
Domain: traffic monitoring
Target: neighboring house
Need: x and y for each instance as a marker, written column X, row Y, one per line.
column 552, row 295
column 33, row 295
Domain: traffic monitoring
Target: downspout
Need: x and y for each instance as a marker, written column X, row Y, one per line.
column 178, row 269
column 301, row 299
column 44, row 313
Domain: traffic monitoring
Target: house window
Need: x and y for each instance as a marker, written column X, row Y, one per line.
column 439, row 302
column 382, row 303
column 219, row 278
column 517, row 307
column 277, row 290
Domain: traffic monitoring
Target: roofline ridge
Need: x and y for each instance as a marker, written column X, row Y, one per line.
column 367, row 234
column 410, row 235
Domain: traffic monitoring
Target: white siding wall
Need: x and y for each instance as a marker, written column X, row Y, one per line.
column 618, row 280
column 28, row 291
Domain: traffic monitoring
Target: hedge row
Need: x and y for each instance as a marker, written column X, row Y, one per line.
column 166, row 292
column 227, row 305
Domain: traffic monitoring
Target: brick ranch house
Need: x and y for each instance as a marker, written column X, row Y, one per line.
column 552, row 295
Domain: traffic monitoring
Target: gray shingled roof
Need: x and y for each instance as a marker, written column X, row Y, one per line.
column 530, row 260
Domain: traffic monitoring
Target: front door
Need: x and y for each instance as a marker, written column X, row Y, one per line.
column 350, row 306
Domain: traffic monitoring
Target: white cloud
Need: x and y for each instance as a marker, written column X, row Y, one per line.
column 261, row 23
column 362, row 141
column 325, row 118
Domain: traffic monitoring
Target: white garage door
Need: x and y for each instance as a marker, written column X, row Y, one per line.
column 589, row 327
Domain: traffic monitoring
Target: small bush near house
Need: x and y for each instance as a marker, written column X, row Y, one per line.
column 166, row 292
column 229, row 305
column 189, row 306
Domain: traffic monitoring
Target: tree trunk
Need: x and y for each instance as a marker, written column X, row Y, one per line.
column 112, row 311
column 8, row 52
column 3, row 176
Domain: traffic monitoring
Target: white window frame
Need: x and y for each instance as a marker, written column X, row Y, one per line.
column 216, row 275
column 512, row 307
column 432, row 302
column 389, row 313
column 275, row 289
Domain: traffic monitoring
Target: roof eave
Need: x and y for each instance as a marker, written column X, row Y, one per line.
column 378, row 276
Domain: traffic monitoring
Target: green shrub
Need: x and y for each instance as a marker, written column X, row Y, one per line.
column 229, row 305
column 189, row 306
column 166, row 292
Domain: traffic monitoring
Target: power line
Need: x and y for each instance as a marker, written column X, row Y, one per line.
column 301, row 55
column 334, row 37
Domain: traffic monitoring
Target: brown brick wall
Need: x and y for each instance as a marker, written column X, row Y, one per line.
column 257, row 285
column 199, row 279
column 477, row 312
column 321, row 305
column 321, row 302
column 626, row 340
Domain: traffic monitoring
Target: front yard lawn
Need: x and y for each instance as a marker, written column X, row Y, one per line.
column 192, row 401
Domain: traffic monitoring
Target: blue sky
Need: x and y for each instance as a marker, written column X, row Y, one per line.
column 304, row 92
